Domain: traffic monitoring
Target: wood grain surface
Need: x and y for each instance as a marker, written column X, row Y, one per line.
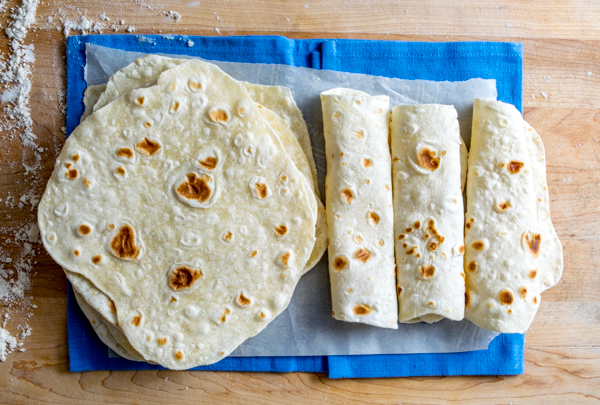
column 561, row 59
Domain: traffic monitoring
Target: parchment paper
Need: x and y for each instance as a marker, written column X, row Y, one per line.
column 307, row 328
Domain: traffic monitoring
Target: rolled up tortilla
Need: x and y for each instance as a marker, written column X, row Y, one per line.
column 428, row 210
column 512, row 251
column 359, row 207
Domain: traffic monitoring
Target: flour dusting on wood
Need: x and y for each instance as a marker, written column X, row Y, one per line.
column 19, row 243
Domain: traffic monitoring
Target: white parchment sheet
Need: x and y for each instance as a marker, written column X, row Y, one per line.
column 307, row 328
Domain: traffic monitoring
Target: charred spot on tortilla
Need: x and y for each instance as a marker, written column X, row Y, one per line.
column 218, row 115
column 195, row 188
column 223, row 317
column 472, row 266
column 412, row 250
column 348, row 196
column 362, row 255
column 285, row 258
column 427, row 271
column 506, row 297
column 374, row 218
column 431, row 228
column 281, row 230
column 72, row 174
column 478, row 245
column 125, row 152
column 534, row 244
column 123, row 244
column 194, row 85
column 362, row 309
column 243, row 300
column 209, row 163
column 426, row 159
column 148, row 147
column 261, row 190
column 503, row 206
column 340, row 263
column 84, row 229
column 514, row 166
column 183, row 277
column 523, row 292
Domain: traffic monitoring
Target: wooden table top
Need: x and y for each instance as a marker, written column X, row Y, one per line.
column 561, row 41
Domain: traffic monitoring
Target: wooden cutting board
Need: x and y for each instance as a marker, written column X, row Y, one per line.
column 561, row 100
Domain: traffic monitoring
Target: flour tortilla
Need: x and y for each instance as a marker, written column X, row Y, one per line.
column 512, row 253
column 551, row 256
column 101, row 327
column 101, row 312
column 360, row 216
column 280, row 100
column 145, row 71
column 294, row 150
column 150, row 259
column 90, row 98
column 428, row 211
column 95, row 298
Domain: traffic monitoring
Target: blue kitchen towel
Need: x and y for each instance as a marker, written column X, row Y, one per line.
column 453, row 61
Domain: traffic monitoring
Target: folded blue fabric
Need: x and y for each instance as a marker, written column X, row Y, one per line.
column 406, row 60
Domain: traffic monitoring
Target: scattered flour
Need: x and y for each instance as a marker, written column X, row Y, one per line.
column 83, row 25
column 174, row 15
column 7, row 344
column 19, row 244
column 15, row 72
column 544, row 95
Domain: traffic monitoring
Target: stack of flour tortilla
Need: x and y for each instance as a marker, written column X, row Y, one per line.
column 489, row 265
column 184, row 209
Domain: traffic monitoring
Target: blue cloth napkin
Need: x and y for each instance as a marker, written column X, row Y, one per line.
column 406, row 60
